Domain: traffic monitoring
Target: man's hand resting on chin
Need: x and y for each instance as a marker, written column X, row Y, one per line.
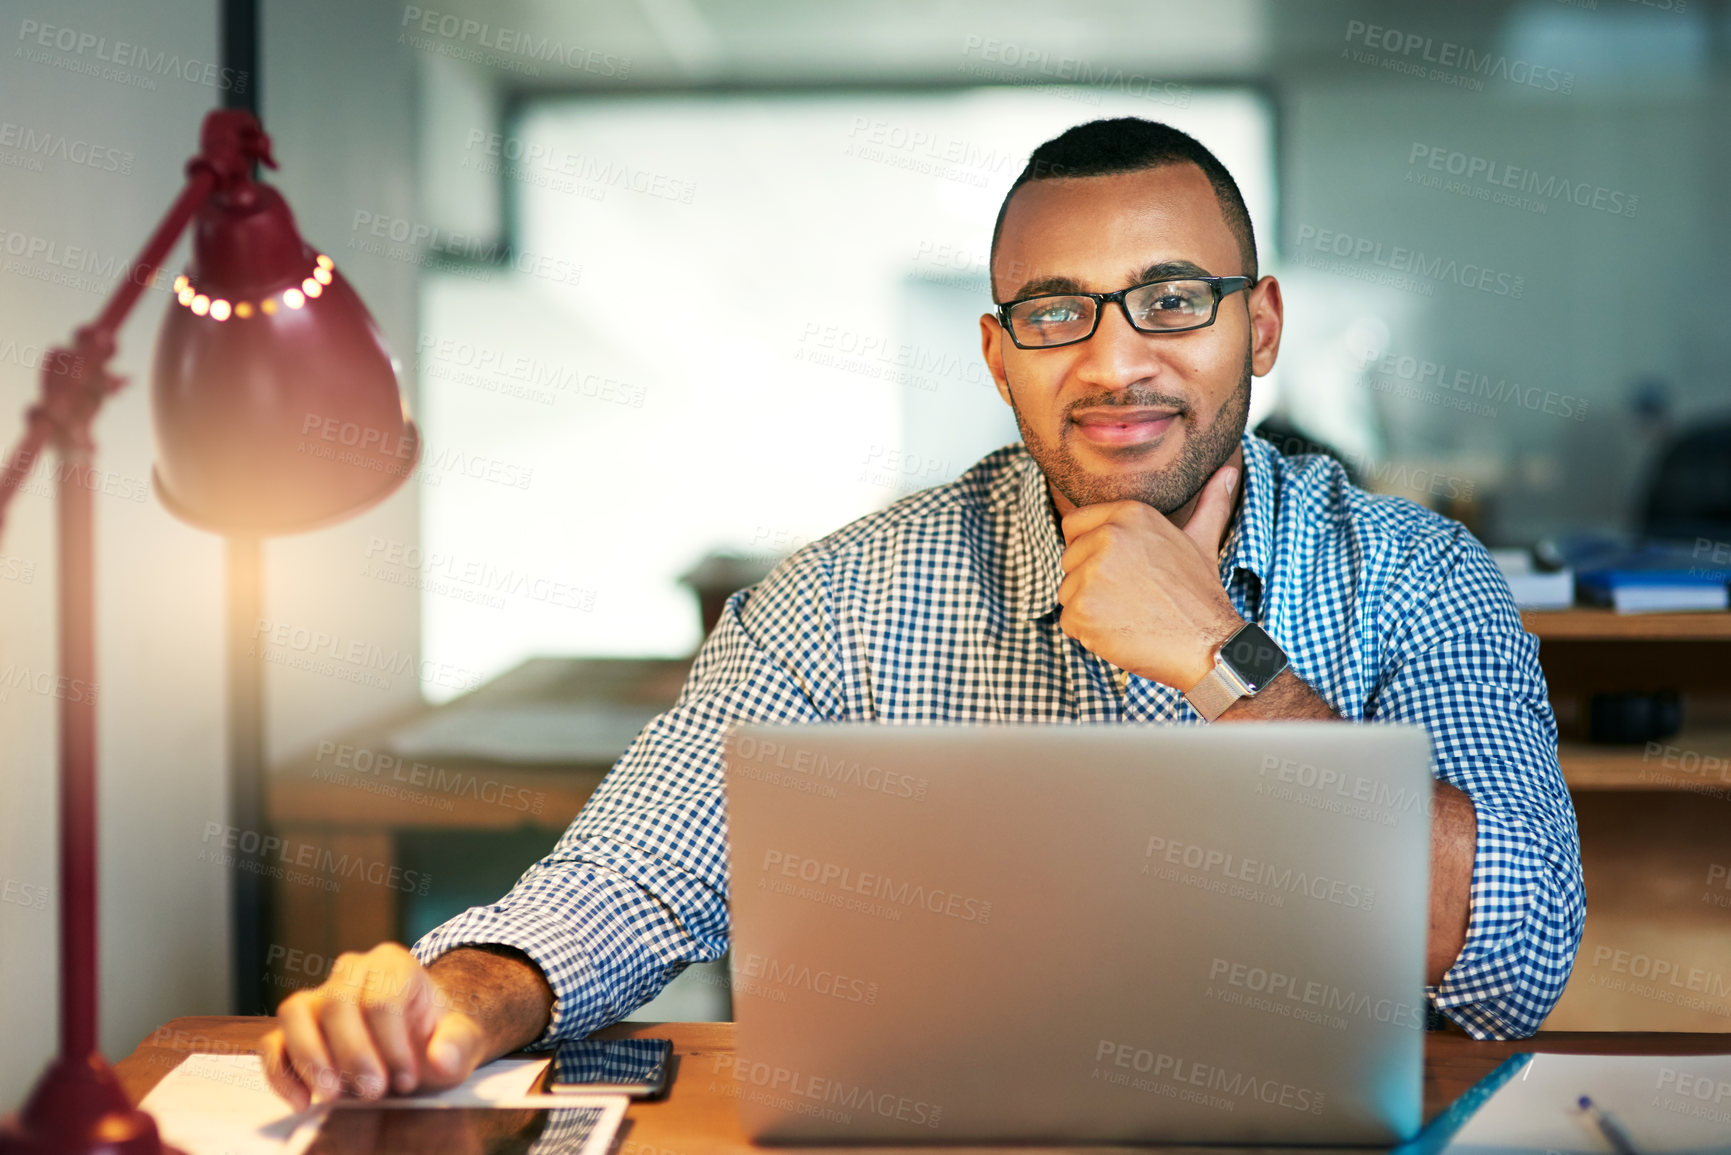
column 1143, row 593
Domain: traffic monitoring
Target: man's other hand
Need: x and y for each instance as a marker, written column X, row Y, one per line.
column 380, row 1022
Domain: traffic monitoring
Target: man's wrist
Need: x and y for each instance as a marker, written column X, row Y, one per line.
column 1287, row 698
column 1209, row 641
column 499, row 987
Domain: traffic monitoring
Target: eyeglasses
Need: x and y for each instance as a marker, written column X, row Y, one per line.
column 1171, row 306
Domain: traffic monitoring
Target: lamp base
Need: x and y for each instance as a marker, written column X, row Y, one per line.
column 79, row 1108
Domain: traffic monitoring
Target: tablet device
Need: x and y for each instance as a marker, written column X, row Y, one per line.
column 539, row 1126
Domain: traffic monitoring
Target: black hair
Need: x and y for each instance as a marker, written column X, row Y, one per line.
column 1131, row 144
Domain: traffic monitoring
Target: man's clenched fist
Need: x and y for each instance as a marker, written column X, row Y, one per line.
column 382, row 1022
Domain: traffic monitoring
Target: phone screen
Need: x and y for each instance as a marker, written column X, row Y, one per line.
column 626, row 1066
column 356, row 1130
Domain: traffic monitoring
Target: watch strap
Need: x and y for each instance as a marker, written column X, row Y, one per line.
column 1214, row 693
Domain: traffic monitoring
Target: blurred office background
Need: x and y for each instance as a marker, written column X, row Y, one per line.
column 671, row 279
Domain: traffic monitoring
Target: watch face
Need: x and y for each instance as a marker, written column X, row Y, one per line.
column 1253, row 656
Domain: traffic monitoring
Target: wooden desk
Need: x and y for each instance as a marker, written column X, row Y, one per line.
column 697, row 1117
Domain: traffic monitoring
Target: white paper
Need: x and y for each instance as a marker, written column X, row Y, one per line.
column 501, row 1079
column 221, row 1104
column 1663, row 1103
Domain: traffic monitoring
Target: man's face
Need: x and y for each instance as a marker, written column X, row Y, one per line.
column 1128, row 415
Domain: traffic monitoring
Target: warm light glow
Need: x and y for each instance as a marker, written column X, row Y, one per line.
column 114, row 1128
column 322, row 275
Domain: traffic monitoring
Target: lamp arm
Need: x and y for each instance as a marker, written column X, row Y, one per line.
column 76, row 381
column 79, row 1107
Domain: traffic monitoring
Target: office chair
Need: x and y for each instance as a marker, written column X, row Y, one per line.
column 1689, row 492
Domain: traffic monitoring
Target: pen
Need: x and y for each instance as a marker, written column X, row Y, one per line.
column 1613, row 1134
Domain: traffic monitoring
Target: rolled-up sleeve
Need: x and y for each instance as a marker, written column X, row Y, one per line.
column 636, row 888
column 1463, row 665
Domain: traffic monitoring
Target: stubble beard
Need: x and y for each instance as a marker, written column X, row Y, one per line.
column 1168, row 490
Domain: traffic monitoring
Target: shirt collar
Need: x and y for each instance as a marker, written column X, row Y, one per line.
column 1037, row 544
column 1250, row 542
column 1033, row 559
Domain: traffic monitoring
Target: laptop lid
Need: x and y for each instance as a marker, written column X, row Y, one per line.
column 1060, row 933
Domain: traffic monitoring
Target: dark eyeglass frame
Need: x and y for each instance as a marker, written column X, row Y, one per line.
column 1220, row 286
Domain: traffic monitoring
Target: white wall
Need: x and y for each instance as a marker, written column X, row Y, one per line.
column 159, row 594
column 1609, row 298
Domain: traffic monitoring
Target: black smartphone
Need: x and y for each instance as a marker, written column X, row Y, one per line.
column 640, row 1068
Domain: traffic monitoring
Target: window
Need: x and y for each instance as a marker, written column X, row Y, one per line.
column 731, row 322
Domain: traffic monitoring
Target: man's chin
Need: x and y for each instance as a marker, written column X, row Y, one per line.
column 1088, row 487
column 1129, row 469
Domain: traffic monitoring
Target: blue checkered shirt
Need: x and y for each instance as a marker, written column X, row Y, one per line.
column 942, row 607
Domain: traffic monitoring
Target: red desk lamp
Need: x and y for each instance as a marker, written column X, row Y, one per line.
column 276, row 410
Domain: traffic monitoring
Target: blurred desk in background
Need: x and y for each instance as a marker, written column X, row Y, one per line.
column 522, row 752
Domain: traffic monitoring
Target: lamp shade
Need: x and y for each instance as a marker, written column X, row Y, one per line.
column 275, row 403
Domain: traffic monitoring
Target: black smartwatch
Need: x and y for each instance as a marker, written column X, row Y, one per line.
column 1243, row 665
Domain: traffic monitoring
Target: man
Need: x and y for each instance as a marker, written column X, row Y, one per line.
column 1091, row 573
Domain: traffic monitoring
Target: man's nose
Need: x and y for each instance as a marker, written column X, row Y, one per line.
column 1117, row 355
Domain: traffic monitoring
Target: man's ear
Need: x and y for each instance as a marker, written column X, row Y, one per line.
column 992, row 349
column 1267, row 317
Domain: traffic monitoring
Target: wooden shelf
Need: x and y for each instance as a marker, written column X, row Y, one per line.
column 1698, row 760
column 1603, row 625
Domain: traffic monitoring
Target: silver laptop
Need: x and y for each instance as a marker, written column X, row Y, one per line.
column 1063, row 933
